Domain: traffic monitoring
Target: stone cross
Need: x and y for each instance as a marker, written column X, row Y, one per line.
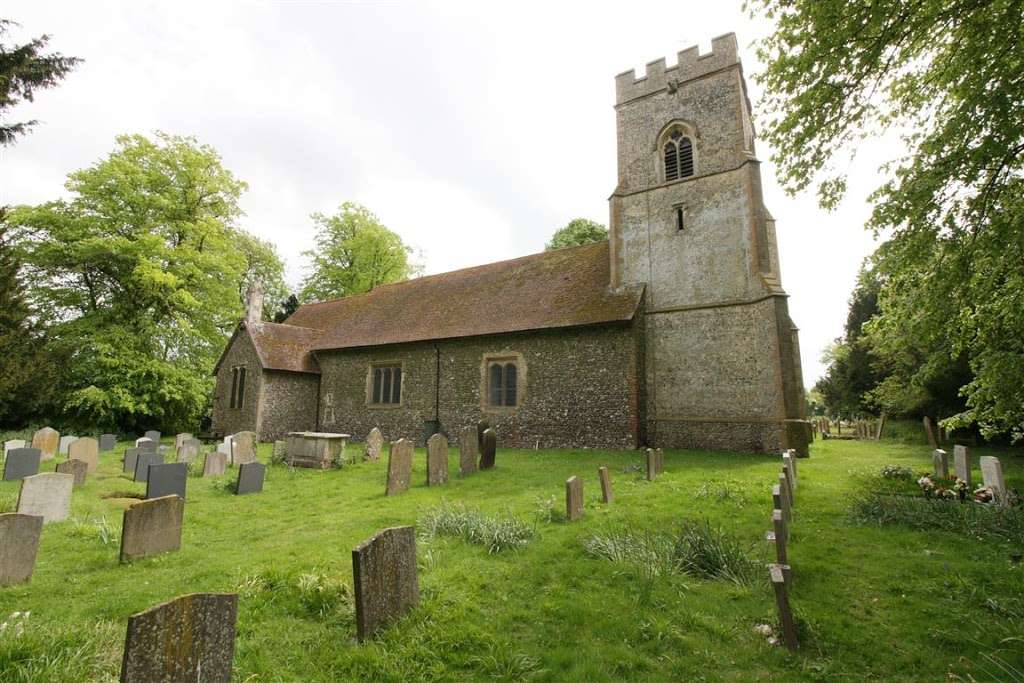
column 47, row 440
column 152, row 527
column 374, row 444
column 190, row 638
column 399, row 467
column 940, row 463
column 166, row 480
column 250, row 478
column 12, row 444
column 787, row 471
column 188, row 450
column 992, row 477
column 655, row 463
column 776, row 571
column 152, row 435
column 87, row 450
column 930, row 432
column 606, row 484
column 215, row 464
column 107, row 442
column 46, row 495
column 780, row 500
column 469, row 451
column 19, row 538
column 962, row 463
column 437, row 460
column 244, row 449
column 76, row 468
column 573, row 498
column 21, row 463
column 488, row 448
column 65, row 443
column 142, row 463
column 385, row 578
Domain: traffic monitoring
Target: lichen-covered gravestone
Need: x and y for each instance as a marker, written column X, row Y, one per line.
column 107, row 442
column 374, row 443
column 437, row 460
column 399, row 467
column 992, row 477
column 573, row 498
column 215, row 464
column 147, row 445
column 940, row 463
column 167, row 480
column 152, row 435
column 65, row 443
column 143, row 462
column 250, row 478
column 244, row 449
column 47, row 440
column 152, row 527
column 87, row 450
column 962, row 463
column 19, row 544
column 384, row 575
column 76, row 468
column 21, row 463
column 181, row 438
column 606, row 484
column 188, row 450
column 469, row 451
column 47, row 495
column 488, row 449
column 187, row 640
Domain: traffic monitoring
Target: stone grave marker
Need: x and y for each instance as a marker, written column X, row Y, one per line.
column 962, row 463
column 107, row 442
column 152, row 435
column 190, row 638
column 131, row 456
column 786, row 491
column 787, row 470
column 940, row 463
column 65, row 443
column 606, row 484
column 776, row 571
column 385, row 579
column 780, row 501
column 152, row 527
column 374, row 443
column 21, row 463
column 47, row 495
column 87, row 450
column 149, row 446
column 76, row 468
column 166, row 480
column 145, row 440
column 47, row 440
column 930, row 432
column 12, row 444
column 143, row 462
column 224, row 448
column 181, row 438
column 488, row 449
column 992, row 477
column 244, row 448
column 791, row 454
column 469, row 451
column 399, row 467
column 250, row 478
column 216, row 464
column 437, row 460
column 779, row 536
column 573, row 498
column 481, row 427
column 188, row 451
column 19, row 541
column 655, row 463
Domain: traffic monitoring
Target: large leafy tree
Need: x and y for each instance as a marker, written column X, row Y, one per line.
column 262, row 265
column 576, row 232
column 949, row 76
column 354, row 253
column 138, row 274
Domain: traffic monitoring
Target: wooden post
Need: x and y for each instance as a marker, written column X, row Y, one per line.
column 781, row 536
column 782, row 602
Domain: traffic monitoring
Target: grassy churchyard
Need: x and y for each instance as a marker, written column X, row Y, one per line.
column 603, row 598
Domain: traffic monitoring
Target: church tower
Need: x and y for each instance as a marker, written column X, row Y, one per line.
column 688, row 221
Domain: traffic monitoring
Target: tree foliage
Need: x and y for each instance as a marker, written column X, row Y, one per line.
column 576, row 232
column 948, row 75
column 354, row 253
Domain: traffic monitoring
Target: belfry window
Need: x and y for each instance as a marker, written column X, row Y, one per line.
column 678, row 155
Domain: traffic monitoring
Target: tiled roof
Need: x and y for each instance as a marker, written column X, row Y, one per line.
column 285, row 347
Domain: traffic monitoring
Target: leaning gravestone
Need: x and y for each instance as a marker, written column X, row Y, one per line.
column 573, row 498
column 131, row 456
column 962, row 463
column 152, row 435
column 244, row 448
column 992, row 477
column 47, row 440
column 46, row 495
column 437, row 460
column 488, row 449
column 189, row 639
column 107, row 442
column 399, row 467
column 374, row 443
column 469, row 451
column 143, row 462
column 384, row 575
column 188, row 451
column 940, row 463
column 19, row 539
column 21, row 463
column 250, row 478
column 606, row 484
column 166, row 480
column 12, row 444
column 152, row 527
column 181, row 438
column 87, row 450
column 76, row 468
column 65, row 443
column 215, row 465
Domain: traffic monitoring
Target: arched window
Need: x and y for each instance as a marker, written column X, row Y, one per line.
column 502, row 382
column 496, row 393
column 510, row 384
column 678, row 155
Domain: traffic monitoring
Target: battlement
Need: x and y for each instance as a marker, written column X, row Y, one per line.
column 689, row 64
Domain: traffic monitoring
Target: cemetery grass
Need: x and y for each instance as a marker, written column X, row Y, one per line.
column 874, row 602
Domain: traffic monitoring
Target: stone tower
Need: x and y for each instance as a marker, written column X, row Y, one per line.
column 688, row 220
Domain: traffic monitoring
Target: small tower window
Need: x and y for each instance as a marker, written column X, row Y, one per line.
column 680, row 218
column 678, row 156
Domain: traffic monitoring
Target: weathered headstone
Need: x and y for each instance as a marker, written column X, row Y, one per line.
column 374, row 443
column 152, row 527
column 148, row 446
column 215, row 464
column 488, row 449
column 21, row 463
column 143, row 462
column 655, row 463
column 573, row 498
column 437, row 460
column 190, row 639
column 181, row 438
column 399, row 467
column 481, row 427
column 12, row 444
column 930, row 432
column 224, row 448
column 606, row 484
column 469, row 451
column 76, row 468
column 65, row 443
column 107, row 442
column 250, row 477
column 87, row 450
column 992, row 477
column 47, row 495
column 188, row 450
column 47, row 440
column 166, row 480
column 19, row 544
column 385, row 579
column 131, row 456
column 144, row 439
column 780, row 501
column 940, row 463
column 152, row 435
column 776, row 571
column 244, row 449
column 962, row 463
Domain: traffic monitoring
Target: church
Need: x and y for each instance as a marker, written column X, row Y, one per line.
column 674, row 333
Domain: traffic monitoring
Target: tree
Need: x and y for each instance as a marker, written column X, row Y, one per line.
column 948, row 73
column 578, row 231
column 138, row 274
column 263, row 265
column 285, row 308
column 354, row 253
column 23, row 70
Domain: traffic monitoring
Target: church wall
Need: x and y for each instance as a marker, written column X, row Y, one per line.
column 225, row 419
column 289, row 403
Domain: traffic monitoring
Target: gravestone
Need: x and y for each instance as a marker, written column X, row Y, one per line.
column 21, row 463
column 940, row 463
column 573, row 498
column 76, row 468
column 787, row 470
column 107, row 442
column 437, row 460
column 149, row 446
column 384, row 576
column 962, row 463
column 152, row 435
column 786, row 491
column 87, row 450
column 992, row 477
column 374, row 442
column 777, row 573
column 65, row 443
column 166, row 480
column 244, row 448
column 224, row 448
column 143, row 462
column 488, row 449
column 791, row 454
column 19, row 544
column 145, row 440
column 181, row 438
column 215, row 464
column 469, row 451
column 131, row 456
column 188, row 450
column 152, row 527
column 399, row 467
column 930, row 432
column 655, row 463
column 481, row 427
column 780, row 501
column 189, row 639
column 47, row 440
column 47, row 495
column 250, row 478
column 606, row 484
column 12, row 444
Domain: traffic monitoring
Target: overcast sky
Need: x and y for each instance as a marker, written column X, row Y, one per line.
column 473, row 130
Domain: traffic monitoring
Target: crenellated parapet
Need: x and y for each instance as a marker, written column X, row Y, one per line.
column 689, row 64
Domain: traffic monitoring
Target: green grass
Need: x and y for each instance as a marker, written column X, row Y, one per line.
column 876, row 601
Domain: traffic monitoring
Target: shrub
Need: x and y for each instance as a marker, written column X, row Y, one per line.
column 969, row 518
column 897, row 472
column 497, row 533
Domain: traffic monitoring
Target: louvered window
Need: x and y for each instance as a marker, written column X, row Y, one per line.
column 678, row 154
